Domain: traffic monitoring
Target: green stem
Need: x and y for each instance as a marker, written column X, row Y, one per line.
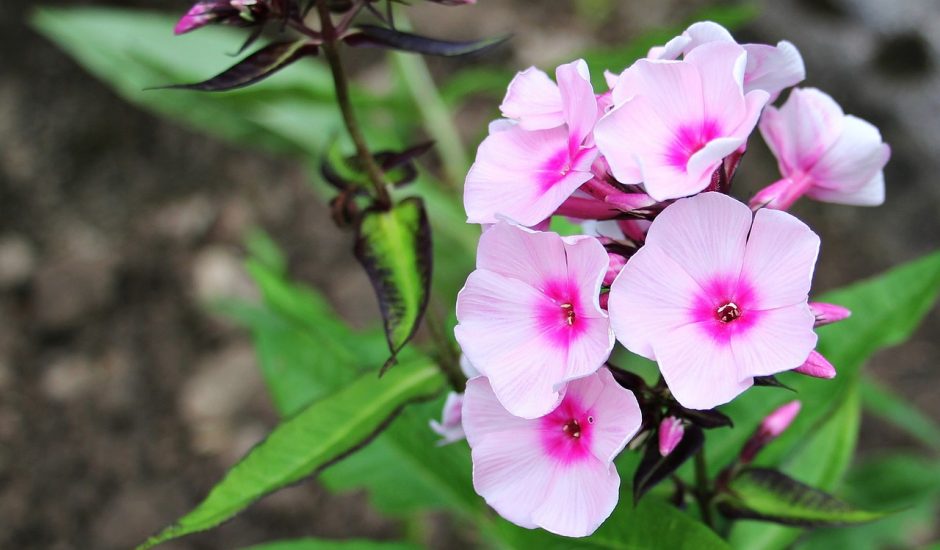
column 702, row 491
column 435, row 113
column 448, row 359
column 341, row 84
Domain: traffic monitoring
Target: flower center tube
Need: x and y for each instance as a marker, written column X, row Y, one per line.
column 728, row 312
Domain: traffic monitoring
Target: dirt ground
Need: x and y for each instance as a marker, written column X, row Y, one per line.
column 122, row 400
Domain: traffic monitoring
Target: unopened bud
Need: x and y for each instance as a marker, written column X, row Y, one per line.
column 816, row 366
column 779, row 195
column 450, row 428
column 770, row 428
column 614, row 267
column 828, row 313
column 671, row 431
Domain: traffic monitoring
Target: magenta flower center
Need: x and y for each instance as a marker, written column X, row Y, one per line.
column 567, row 311
column 690, row 139
column 566, row 432
column 728, row 312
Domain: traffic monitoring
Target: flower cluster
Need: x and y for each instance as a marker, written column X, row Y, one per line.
column 671, row 265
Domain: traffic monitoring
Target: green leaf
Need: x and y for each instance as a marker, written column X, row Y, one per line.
column 394, row 247
column 320, row 544
column 651, row 524
column 319, row 435
column 771, row 495
column 880, row 401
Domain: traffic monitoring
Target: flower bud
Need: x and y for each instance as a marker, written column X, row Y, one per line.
column 817, row 366
column 770, row 428
column 828, row 313
column 670, row 434
column 450, row 428
column 613, row 268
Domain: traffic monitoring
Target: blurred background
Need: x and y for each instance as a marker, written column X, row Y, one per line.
column 123, row 398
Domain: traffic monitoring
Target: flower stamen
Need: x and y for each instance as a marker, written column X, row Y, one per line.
column 568, row 311
column 572, row 428
column 728, row 312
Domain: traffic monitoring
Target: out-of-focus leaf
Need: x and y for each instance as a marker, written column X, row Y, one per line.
column 256, row 67
column 899, row 482
column 394, row 247
column 314, row 438
column 820, row 459
column 770, row 495
column 322, row 544
column 651, row 524
column 881, row 402
column 654, row 467
column 382, row 37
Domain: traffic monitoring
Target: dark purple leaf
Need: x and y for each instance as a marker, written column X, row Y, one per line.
column 705, row 419
column 771, row 382
column 654, row 467
column 381, row 37
column 254, row 68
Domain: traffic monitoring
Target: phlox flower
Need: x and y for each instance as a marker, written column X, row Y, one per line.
column 554, row 472
column 717, row 298
column 525, row 170
column 822, row 153
column 674, row 122
column 529, row 317
column 769, row 68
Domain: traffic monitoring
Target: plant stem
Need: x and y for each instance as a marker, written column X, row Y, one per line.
column 341, row 83
column 702, row 491
column 448, row 359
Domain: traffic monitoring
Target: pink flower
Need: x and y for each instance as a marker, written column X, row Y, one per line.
column 675, row 121
column 718, row 299
column 525, row 171
column 529, row 317
column 826, row 314
column 822, row 153
column 554, row 472
column 670, row 434
column 232, row 12
column 769, row 68
column 450, row 427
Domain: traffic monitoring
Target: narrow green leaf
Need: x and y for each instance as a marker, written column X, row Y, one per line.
column 313, row 439
column 320, row 544
column 771, row 495
column 394, row 247
column 883, row 403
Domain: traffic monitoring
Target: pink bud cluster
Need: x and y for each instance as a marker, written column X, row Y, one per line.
column 671, row 266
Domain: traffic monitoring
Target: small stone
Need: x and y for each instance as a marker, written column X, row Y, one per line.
column 184, row 220
column 68, row 379
column 218, row 273
column 17, row 261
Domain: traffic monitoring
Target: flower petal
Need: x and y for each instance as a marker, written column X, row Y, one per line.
column 780, row 341
column 580, row 497
column 779, row 260
column 802, row 130
column 651, row 296
column 703, row 234
column 854, row 160
column 501, row 333
column 533, row 257
column 699, row 371
column 533, row 100
column 615, row 410
column 523, row 175
column 773, row 68
column 579, row 104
